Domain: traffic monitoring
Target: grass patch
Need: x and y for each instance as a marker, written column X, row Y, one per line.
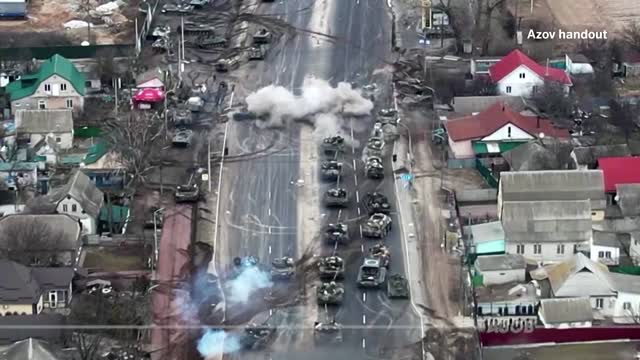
column 108, row 259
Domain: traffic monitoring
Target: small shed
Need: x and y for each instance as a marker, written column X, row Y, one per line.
column 566, row 313
column 487, row 238
column 501, row 269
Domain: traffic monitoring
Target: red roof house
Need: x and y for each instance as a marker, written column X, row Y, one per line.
column 518, row 75
column 619, row 170
column 497, row 124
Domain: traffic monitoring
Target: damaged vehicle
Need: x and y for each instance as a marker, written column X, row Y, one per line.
column 397, row 287
column 330, row 293
column 211, row 42
column 375, row 146
column 336, row 233
column 381, row 252
column 327, row 332
column 283, row 268
column 376, row 202
column 373, row 168
column 336, row 197
column 331, row 170
column 371, row 274
column 187, row 193
column 256, row 336
column 256, row 52
column 263, row 36
column 331, row 267
column 390, row 112
column 377, row 226
column 333, row 145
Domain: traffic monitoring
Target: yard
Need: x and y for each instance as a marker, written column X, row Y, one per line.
column 116, row 258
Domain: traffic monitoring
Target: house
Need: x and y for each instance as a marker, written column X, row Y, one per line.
column 540, row 154
column 565, row 313
column 33, row 126
column 554, row 185
column 56, row 85
column 153, row 78
column 628, row 199
column 546, row 231
column 104, row 167
column 507, row 306
column 586, row 157
column 481, row 65
column 630, row 64
column 517, row 75
column 495, row 130
column 30, row 290
column 486, row 238
column 80, row 199
column 605, row 247
column 64, row 234
column 18, row 174
column 501, row 269
column 47, row 327
column 29, row 349
column 574, row 64
column 619, row 170
column 469, row 105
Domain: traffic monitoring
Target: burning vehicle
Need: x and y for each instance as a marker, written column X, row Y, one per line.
column 330, row 293
column 336, row 197
column 331, row 170
column 376, row 202
column 373, row 168
column 377, row 226
column 397, row 287
column 333, row 145
column 381, row 252
column 282, row 268
column 371, row 274
column 331, row 267
column 336, row 233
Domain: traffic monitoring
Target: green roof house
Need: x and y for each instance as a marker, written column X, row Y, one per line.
column 56, row 85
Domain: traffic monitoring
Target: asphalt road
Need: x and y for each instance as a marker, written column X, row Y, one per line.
column 261, row 209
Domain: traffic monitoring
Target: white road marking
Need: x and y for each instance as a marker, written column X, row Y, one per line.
column 339, row 214
column 270, row 312
column 364, row 319
column 358, row 211
column 355, row 178
column 364, row 297
column 364, row 343
column 269, row 211
column 269, row 229
column 269, row 249
column 354, row 164
column 362, row 247
column 357, row 196
column 269, row 194
column 360, row 231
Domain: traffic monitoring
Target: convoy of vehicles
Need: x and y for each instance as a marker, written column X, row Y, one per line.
column 336, row 233
column 282, row 268
column 336, row 197
column 371, row 273
column 330, row 293
column 377, row 226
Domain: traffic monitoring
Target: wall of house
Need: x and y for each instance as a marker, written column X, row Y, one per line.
column 567, row 325
column 66, row 139
column 54, row 99
column 461, row 149
column 502, row 277
column 65, row 206
column 608, row 305
column 548, row 254
column 526, row 306
column 605, row 254
column 627, row 316
column 519, row 87
column 20, row 309
column 61, row 301
column 504, row 133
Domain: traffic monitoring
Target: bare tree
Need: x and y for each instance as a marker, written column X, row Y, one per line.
column 106, row 66
column 631, row 35
column 624, row 116
column 31, row 241
column 552, row 99
column 87, row 345
column 135, row 137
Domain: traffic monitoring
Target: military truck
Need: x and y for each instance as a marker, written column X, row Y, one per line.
column 331, row 170
column 371, row 274
column 331, row 267
column 336, row 233
column 388, row 113
column 187, row 193
column 263, row 36
column 397, row 287
column 330, row 293
column 376, row 202
column 381, row 252
column 282, row 268
column 336, row 197
column 333, row 145
column 377, row 226
column 374, row 168
column 327, row 332
column 256, row 336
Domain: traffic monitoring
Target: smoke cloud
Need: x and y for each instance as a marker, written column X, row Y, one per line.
column 249, row 280
column 215, row 342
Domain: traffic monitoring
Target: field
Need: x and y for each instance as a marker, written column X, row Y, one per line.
column 115, row 258
column 594, row 15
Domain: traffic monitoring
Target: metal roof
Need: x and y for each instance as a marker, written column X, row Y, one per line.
column 628, row 199
column 55, row 65
column 554, row 185
column 576, row 277
column 557, row 311
column 44, row 121
column 500, row 262
column 486, row 232
column 84, row 191
column 611, row 239
column 588, row 155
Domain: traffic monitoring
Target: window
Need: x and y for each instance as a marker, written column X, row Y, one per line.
column 53, row 298
column 65, row 208
column 520, row 249
column 74, row 208
column 87, row 84
column 58, row 139
column 600, row 254
column 63, row 87
column 508, row 89
column 534, row 89
column 599, row 303
column 575, row 248
column 69, row 103
column 607, row 254
column 626, row 305
column 47, row 87
column 521, row 75
column 537, row 249
column 42, row 104
column 560, row 249
column 509, row 131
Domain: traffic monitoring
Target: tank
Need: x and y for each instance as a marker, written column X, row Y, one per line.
column 327, row 332
column 336, row 197
column 331, row 267
column 375, row 145
column 333, row 145
column 377, row 226
column 256, row 52
column 256, row 336
column 376, row 202
column 263, row 36
column 381, row 252
column 330, row 293
column 374, row 168
column 192, row 28
column 336, row 233
column 371, row 274
column 282, row 268
column 397, row 287
column 331, row 170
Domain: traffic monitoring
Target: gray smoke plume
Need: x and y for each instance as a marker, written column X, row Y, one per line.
column 246, row 283
column 215, row 342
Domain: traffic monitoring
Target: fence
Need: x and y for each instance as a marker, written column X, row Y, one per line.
column 486, row 174
column 461, row 163
column 69, row 52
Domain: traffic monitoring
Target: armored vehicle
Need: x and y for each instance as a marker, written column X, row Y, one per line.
column 331, row 170
column 181, row 117
column 282, row 268
column 246, row 261
column 329, row 332
column 336, row 197
column 262, row 37
column 330, row 293
column 375, row 144
column 397, row 287
column 381, row 252
column 371, row 273
column 192, row 28
column 333, row 145
column 376, row 202
column 331, row 267
column 187, row 193
column 161, row 45
column 256, row 52
column 159, row 32
column 198, row 4
column 177, row 8
column 388, row 113
column 224, row 65
column 256, row 336
column 336, row 233
column 195, row 103
column 377, row 226
column 373, row 168
column 182, row 138
column 211, row 42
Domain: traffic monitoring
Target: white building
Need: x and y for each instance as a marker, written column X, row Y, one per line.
column 33, row 126
column 507, row 307
column 565, row 313
column 501, row 269
column 80, row 199
column 605, row 247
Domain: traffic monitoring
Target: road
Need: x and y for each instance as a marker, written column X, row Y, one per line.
column 260, row 203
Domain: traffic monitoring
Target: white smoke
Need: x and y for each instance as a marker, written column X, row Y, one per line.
column 215, row 342
column 319, row 103
column 247, row 282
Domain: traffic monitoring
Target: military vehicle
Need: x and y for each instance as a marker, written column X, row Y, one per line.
column 195, row 104
column 381, row 252
column 211, row 42
column 159, row 32
column 182, row 138
column 256, row 336
column 192, row 28
column 244, row 262
column 375, row 144
column 333, row 145
column 331, row 267
column 181, row 117
column 282, row 268
column 374, row 168
column 177, row 8
column 327, row 332
column 330, row 293
column 377, row 226
column 331, row 170
column 256, row 52
column 336, row 197
column 376, row 202
column 161, row 45
column 336, row 233
column 187, row 193
column 224, row 65
column 387, row 112
column 198, row 4
column 397, row 287
column 262, row 37
column 371, row 273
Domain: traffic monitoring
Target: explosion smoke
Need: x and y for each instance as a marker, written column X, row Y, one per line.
column 247, row 282
column 214, row 342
